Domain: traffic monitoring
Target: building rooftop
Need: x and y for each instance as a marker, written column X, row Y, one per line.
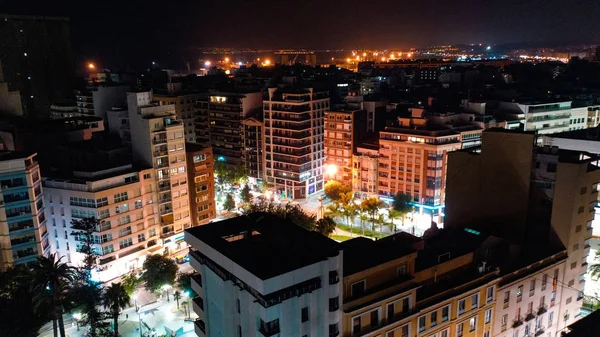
column 379, row 252
column 264, row 244
column 585, row 327
column 568, row 156
column 13, row 155
column 591, row 134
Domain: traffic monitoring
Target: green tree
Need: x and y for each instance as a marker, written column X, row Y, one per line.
column 294, row 213
column 222, row 174
column 184, row 282
column 50, row 285
column 392, row 215
column 16, row 304
column 594, row 269
column 371, row 206
column 240, row 174
column 325, row 226
column 115, row 298
column 245, row 194
column 130, row 282
column 402, row 204
column 159, row 270
column 83, row 231
column 229, row 203
column 346, row 204
column 335, row 189
column 363, row 217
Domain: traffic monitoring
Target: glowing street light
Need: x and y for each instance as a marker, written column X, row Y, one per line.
column 91, row 66
column 267, row 62
column 331, row 169
column 77, row 317
column 207, row 63
column 227, row 59
column 166, row 288
column 364, row 54
column 383, row 59
column 348, row 60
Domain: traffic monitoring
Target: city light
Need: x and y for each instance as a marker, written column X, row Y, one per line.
column 383, row 59
column 267, row 62
column 364, row 54
column 207, row 63
column 331, row 169
column 227, row 59
column 240, row 63
column 91, row 66
column 348, row 60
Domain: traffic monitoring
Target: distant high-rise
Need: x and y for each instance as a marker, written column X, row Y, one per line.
column 37, row 60
column 202, row 179
column 294, row 140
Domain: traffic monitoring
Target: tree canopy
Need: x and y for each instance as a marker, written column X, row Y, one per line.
column 325, row 226
column 229, row 203
column 245, row 194
column 335, row 189
column 402, row 203
column 159, row 270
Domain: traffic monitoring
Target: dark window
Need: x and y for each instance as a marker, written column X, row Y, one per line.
column 334, row 303
column 374, row 318
column 333, row 277
column 304, row 314
column 390, row 312
column 238, row 306
column 551, row 167
column 404, row 304
column 358, row 289
column 333, row 330
column 537, row 164
column 356, row 325
column 239, row 331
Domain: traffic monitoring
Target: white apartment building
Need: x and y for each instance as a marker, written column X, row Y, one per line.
column 158, row 142
column 23, row 231
column 545, row 117
column 259, row 275
column 529, row 300
column 122, row 198
column 365, row 169
column 99, row 99
column 294, row 128
column 185, row 108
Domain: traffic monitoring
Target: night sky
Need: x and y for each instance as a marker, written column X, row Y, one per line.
column 131, row 30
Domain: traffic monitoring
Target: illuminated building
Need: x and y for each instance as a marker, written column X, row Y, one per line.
column 294, row 155
column 593, row 116
column 545, row 118
column 269, row 276
column 99, row 99
column 185, row 109
column 23, row 228
column 343, row 130
column 225, row 113
column 158, row 141
column 202, row 183
column 253, row 154
column 122, row 198
column 412, row 158
column 365, row 169
column 541, row 188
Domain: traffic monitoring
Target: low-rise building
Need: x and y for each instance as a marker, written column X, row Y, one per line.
column 545, row 118
column 365, row 161
column 23, row 231
column 261, row 275
column 202, row 183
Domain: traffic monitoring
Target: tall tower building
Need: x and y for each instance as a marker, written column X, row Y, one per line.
column 157, row 140
column 253, row 155
column 343, row 130
column 185, row 108
column 23, row 232
column 294, row 140
column 202, row 181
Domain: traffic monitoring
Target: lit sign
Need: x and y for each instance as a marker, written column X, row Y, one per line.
column 342, row 84
column 218, row 99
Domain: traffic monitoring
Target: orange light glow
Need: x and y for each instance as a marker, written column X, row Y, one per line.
column 91, row 65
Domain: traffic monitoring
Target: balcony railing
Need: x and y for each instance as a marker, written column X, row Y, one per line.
column 517, row 322
column 200, row 324
column 542, row 310
column 529, row 316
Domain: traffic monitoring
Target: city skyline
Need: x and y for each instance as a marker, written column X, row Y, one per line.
column 112, row 34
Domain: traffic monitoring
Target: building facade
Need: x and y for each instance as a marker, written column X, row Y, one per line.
column 294, row 127
column 238, row 295
column 185, row 109
column 122, row 199
column 201, row 176
column 158, row 141
column 343, row 131
column 226, row 112
column 23, row 231
column 365, row 170
column 253, row 155
column 412, row 160
column 97, row 100
column 546, row 118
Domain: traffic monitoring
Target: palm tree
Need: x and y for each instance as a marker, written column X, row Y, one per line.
column 371, row 206
column 50, row 285
column 363, row 217
column 392, row 215
column 177, row 295
column 115, row 298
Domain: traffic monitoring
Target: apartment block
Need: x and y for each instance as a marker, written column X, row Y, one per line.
column 343, row 131
column 201, row 176
column 253, row 144
column 23, row 231
column 122, row 199
column 226, row 112
column 158, row 142
column 260, row 275
column 98, row 99
column 545, row 118
column 185, row 109
column 412, row 159
column 365, row 170
column 294, row 129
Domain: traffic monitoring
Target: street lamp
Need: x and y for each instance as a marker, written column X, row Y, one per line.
column 188, row 309
column 91, row 66
column 321, row 204
column 77, row 317
column 331, row 169
column 166, row 288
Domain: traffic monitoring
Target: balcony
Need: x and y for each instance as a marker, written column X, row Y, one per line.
column 165, row 211
column 196, row 282
column 157, row 141
column 200, row 327
column 198, row 305
column 539, row 332
column 164, row 187
column 529, row 317
column 267, row 329
column 517, row 322
column 542, row 310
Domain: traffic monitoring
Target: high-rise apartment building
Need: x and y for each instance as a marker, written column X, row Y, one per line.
column 365, row 170
column 412, row 159
column 261, row 275
column 343, row 131
column 158, row 142
column 121, row 198
column 201, row 179
column 23, row 232
column 254, row 154
column 98, row 99
column 185, row 108
column 226, row 112
column 294, row 130
column 545, row 118
column 37, row 60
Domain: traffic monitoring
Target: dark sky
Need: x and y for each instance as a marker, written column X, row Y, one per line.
column 136, row 30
